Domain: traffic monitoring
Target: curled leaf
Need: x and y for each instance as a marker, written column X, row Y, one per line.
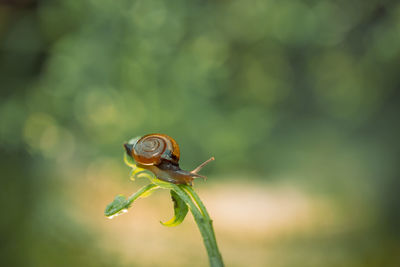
column 140, row 173
column 117, row 207
column 129, row 161
column 180, row 211
column 136, row 171
column 120, row 204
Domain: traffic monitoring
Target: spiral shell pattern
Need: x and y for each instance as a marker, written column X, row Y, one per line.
column 151, row 149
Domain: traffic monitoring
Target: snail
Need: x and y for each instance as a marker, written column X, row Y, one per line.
column 159, row 153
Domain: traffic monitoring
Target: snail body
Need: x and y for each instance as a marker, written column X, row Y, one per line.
column 159, row 153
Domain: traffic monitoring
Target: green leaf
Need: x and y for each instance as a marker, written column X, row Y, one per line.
column 136, row 171
column 129, row 161
column 117, row 207
column 141, row 173
column 120, row 204
column 180, row 210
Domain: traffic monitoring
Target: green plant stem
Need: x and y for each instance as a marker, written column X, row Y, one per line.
column 140, row 192
column 203, row 221
column 203, row 210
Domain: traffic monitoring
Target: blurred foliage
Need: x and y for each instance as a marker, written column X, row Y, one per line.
column 301, row 90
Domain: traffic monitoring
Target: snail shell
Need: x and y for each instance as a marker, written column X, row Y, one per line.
column 152, row 149
column 159, row 153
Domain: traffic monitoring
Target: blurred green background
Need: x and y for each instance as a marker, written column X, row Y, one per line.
column 297, row 100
